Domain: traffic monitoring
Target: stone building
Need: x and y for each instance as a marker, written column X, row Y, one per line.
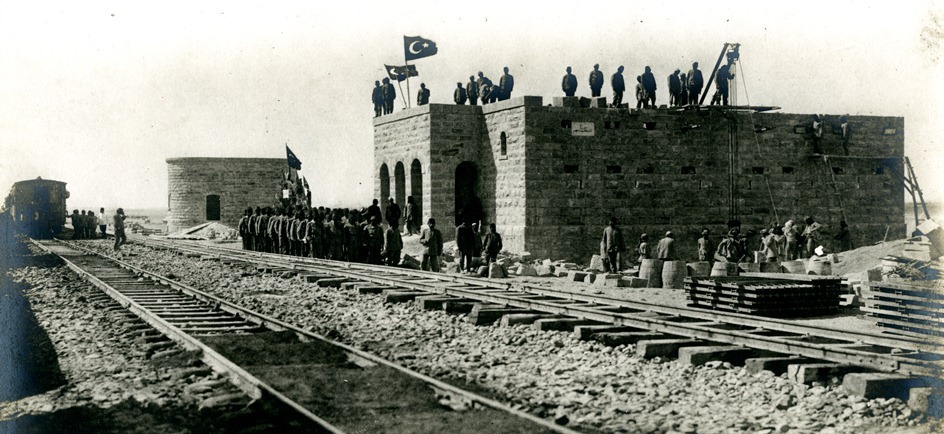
column 219, row 189
column 551, row 176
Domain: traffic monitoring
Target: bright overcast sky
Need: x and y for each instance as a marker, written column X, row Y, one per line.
column 99, row 94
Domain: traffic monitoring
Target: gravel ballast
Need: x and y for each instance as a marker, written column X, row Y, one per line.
column 584, row 384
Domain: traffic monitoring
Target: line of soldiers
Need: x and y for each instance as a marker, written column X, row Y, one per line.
column 484, row 88
column 84, row 224
column 383, row 97
column 684, row 89
column 340, row 234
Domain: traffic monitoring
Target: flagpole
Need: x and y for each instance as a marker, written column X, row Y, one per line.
column 407, row 76
column 402, row 95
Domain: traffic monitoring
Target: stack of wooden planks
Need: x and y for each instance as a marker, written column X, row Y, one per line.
column 766, row 294
column 908, row 308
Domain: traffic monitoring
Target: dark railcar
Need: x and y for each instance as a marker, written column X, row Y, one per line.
column 37, row 207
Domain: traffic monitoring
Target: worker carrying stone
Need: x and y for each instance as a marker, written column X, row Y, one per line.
column 613, row 246
column 596, row 81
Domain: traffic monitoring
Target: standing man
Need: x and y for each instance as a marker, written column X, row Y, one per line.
column 695, row 83
column 378, row 99
column 843, row 237
column 665, row 250
column 649, row 83
column 465, row 241
column 728, row 249
column 619, row 86
column 389, row 96
column 393, row 214
column 569, row 83
column 472, row 91
column 244, row 229
column 76, row 224
column 483, row 83
column 392, row 246
column 817, row 125
column 119, row 224
column 431, row 239
column 459, row 95
column 812, row 235
column 507, row 84
column 683, row 83
column 374, row 240
column 493, row 243
column 412, row 216
column 846, row 133
column 641, row 99
column 596, row 81
column 422, row 96
column 102, row 222
column 90, row 227
column 675, row 89
column 373, row 210
column 643, row 249
column 613, row 246
column 704, row 246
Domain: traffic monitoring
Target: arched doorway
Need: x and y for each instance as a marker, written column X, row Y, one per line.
column 213, row 207
column 416, row 185
column 468, row 203
column 384, row 187
column 399, row 182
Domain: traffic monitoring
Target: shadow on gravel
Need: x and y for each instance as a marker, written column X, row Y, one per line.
column 27, row 356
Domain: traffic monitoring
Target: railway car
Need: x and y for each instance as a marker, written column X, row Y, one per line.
column 37, row 207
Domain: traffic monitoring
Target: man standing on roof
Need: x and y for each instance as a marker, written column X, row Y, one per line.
column 596, row 81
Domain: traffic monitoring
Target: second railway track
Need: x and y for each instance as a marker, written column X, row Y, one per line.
column 657, row 329
column 329, row 386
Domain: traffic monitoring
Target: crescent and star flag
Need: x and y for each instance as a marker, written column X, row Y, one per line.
column 293, row 161
column 415, row 47
column 400, row 73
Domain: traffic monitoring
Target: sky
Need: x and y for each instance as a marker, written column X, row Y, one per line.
column 100, row 94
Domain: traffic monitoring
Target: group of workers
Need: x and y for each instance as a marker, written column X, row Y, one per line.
column 779, row 243
column 85, row 223
column 684, row 89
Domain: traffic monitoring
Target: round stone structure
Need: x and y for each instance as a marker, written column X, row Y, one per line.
column 219, row 189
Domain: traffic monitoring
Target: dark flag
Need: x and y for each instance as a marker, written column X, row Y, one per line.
column 415, row 47
column 293, row 161
column 400, row 73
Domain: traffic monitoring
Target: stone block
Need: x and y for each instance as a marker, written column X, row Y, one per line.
column 808, row 373
column 880, row 385
column 596, row 263
column 566, row 101
column 777, row 365
column 590, row 278
column 544, row 270
column 576, row 276
column 665, row 347
column 561, row 324
column 496, row 271
column 547, row 263
column 597, row 102
column 569, row 266
column 504, row 262
column 561, row 272
column 608, row 279
column 526, row 270
column 584, row 102
column 633, row 282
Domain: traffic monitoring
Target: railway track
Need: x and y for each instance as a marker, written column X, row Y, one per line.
column 330, row 386
column 691, row 334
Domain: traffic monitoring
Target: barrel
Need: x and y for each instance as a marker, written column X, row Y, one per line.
column 651, row 270
column 820, row 266
column 699, row 269
column 749, row 267
column 796, row 267
column 673, row 274
column 769, row 267
column 724, row 269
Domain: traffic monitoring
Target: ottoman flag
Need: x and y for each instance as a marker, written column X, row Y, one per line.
column 415, row 47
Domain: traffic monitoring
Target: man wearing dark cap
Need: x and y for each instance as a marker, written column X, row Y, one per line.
column 459, row 95
column 569, row 83
column 506, row 84
column 596, row 81
column 472, row 91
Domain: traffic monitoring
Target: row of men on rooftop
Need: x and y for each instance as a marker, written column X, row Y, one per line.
column 684, row 89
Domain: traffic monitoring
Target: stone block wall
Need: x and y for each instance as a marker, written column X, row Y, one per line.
column 239, row 182
column 551, row 176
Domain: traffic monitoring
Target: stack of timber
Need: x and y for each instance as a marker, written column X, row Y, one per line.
column 906, row 307
column 766, row 294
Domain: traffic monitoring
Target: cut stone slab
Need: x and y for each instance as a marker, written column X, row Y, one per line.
column 626, row 338
column 596, row 263
column 777, row 365
column 569, row 266
column 576, row 276
column 522, row 318
column 497, row 271
column 880, row 385
column 808, row 373
column 561, row 272
column 633, row 282
column 608, row 279
column 728, row 353
column 665, row 347
column 561, row 324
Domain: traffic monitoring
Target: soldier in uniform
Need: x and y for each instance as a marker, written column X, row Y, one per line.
column 313, row 235
column 392, row 246
column 472, row 91
column 459, row 95
column 596, row 81
column 301, row 230
column 483, row 83
column 431, row 239
column 378, row 99
column 569, row 83
column 352, row 239
column 243, row 227
column 336, row 239
column 649, row 83
column 695, row 83
column 389, row 96
column 675, row 89
column 422, row 95
column 374, row 240
column 683, row 83
column 393, row 214
column 506, row 84
column 273, row 230
column 619, row 86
